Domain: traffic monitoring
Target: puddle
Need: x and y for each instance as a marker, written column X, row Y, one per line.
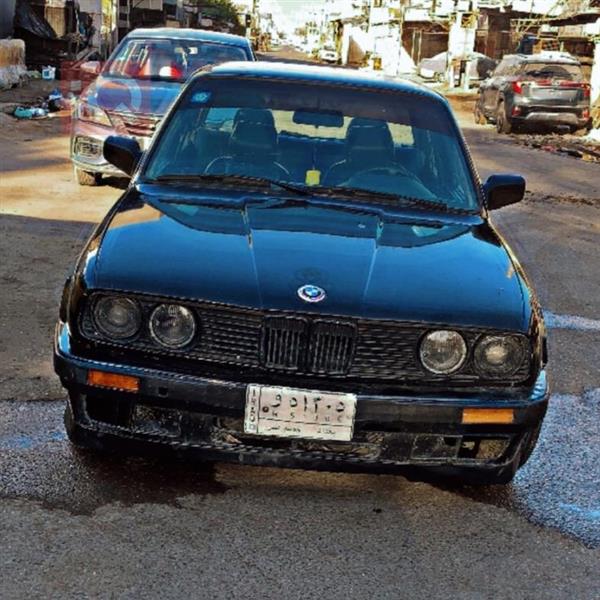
column 575, row 322
column 560, row 485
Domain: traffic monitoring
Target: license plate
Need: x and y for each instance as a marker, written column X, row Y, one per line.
column 293, row 413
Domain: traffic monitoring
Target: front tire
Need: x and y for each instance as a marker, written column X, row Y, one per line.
column 503, row 123
column 87, row 178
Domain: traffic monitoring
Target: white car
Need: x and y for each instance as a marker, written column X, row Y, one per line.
column 435, row 67
column 328, row 55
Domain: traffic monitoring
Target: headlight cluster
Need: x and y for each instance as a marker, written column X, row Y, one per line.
column 443, row 352
column 170, row 325
column 498, row 355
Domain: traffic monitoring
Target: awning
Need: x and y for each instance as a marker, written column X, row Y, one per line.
column 26, row 18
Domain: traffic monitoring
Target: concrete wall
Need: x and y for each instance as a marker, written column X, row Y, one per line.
column 7, row 15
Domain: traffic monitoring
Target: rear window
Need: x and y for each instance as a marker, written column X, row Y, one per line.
column 541, row 70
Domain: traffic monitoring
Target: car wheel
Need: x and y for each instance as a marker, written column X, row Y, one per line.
column 503, row 124
column 87, row 177
column 479, row 116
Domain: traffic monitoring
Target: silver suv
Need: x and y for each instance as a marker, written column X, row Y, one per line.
column 544, row 90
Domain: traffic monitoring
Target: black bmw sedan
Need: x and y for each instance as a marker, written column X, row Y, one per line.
column 303, row 273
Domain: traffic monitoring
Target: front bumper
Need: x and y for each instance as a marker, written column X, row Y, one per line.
column 203, row 417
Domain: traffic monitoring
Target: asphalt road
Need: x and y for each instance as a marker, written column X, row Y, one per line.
column 76, row 525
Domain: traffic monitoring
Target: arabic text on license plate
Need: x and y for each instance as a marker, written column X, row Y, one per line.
column 293, row 413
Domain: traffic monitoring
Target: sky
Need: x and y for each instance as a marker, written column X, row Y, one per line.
column 288, row 14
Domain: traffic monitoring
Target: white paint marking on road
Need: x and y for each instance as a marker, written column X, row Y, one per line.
column 554, row 321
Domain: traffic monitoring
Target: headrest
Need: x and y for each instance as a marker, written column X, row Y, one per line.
column 370, row 138
column 362, row 122
column 369, row 146
column 254, row 115
column 253, row 140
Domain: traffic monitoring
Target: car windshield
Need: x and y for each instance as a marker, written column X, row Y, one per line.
column 319, row 138
column 168, row 59
column 553, row 71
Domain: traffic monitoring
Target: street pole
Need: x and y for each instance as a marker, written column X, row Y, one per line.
column 595, row 76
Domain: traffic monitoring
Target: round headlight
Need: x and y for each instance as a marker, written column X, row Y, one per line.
column 172, row 325
column 443, row 352
column 498, row 355
column 117, row 317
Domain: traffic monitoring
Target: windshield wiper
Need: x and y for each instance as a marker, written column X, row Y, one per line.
column 389, row 197
column 233, row 179
column 328, row 191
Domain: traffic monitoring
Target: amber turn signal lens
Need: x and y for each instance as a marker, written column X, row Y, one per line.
column 491, row 416
column 125, row 383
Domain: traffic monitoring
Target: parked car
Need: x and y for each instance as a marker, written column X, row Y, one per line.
column 435, row 67
column 544, row 90
column 328, row 54
column 303, row 273
column 137, row 85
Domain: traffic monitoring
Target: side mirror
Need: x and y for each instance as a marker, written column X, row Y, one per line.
column 122, row 152
column 502, row 190
column 91, row 67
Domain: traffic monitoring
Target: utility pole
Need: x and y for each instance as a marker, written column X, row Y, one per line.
column 595, row 76
column 461, row 43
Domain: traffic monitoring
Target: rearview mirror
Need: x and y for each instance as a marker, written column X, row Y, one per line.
column 90, row 67
column 502, row 190
column 319, row 119
column 122, row 152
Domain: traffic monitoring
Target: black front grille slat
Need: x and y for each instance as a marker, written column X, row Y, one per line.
column 331, row 347
column 282, row 343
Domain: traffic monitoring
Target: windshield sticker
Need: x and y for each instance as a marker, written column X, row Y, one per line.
column 201, row 97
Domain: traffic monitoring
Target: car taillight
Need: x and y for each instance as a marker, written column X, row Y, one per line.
column 585, row 113
column 584, row 87
column 517, row 87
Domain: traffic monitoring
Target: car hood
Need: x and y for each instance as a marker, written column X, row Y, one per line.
column 258, row 252
column 133, row 95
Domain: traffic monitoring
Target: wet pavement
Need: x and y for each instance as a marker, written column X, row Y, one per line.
column 558, row 488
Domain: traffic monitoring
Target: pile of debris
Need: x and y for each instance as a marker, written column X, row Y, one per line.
column 29, row 106
column 586, row 148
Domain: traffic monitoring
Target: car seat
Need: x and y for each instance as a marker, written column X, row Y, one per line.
column 369, row 145
column 252, row 151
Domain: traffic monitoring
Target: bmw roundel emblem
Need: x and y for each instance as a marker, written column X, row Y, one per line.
column 311, row 293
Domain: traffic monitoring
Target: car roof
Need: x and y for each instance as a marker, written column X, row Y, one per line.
column 189, row 34
column 543, row 58
column 316, row 74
